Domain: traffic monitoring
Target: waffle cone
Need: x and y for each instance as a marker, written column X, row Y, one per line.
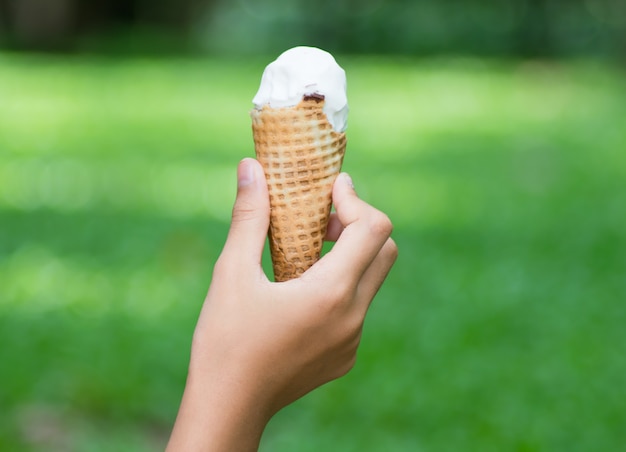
column 301, row 155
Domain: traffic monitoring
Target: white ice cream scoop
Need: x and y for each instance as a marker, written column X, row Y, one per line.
column 305, row 71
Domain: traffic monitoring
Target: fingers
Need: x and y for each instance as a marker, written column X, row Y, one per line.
column 334, row 228
column 376, row 273
column 378, row 270
column 365, row 231
column 251, row 214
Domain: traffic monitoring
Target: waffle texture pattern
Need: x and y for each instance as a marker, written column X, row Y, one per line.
column 301, row 155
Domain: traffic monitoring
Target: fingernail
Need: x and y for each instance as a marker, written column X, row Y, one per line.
column 348, row 180
column 245, row 173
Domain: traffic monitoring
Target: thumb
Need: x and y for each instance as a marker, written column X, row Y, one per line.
column 251, row 215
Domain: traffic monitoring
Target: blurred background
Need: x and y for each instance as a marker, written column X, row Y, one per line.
column 493, row 133
column 524, row 28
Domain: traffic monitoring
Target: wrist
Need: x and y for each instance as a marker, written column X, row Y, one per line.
column 220, row 410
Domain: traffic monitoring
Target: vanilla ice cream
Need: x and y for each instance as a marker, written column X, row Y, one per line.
column 298, row 130
column 305, row 71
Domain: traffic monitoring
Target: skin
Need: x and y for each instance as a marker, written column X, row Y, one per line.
column 259, row 345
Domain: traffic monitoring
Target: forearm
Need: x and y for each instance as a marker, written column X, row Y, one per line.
column 218, row 413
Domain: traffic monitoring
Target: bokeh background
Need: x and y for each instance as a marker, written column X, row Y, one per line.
column 493, row 133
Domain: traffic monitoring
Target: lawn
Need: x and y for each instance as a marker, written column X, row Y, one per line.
column 501, row 326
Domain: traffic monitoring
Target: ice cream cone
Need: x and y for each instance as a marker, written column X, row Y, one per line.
column 301, row 155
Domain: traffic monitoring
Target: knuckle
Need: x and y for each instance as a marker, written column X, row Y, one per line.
column 343, row 291
column 347, row 366
column 351, row 363
column 333, row 291
column 353, row 335
column 380, row 224
column 244, row 211
column 392, row 250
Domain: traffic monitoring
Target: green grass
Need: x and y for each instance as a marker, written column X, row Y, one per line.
column 500, row 328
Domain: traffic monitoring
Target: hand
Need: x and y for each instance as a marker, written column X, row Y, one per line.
column 259, row 345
